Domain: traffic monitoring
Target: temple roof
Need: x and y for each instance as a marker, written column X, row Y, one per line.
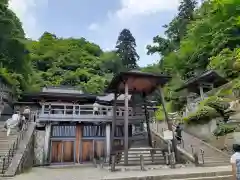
column 206, row 77
column 138, row 82
column 56, row 96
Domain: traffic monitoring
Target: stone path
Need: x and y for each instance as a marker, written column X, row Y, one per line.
column 90, row 173
column 212, row 156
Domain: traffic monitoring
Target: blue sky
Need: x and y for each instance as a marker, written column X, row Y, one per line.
column 99, row 21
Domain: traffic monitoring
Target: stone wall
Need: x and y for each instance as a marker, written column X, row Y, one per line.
column 39, row 147
column 202, row 131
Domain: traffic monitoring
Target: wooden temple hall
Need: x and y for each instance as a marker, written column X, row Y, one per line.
column 79, row 127
column 198, row 88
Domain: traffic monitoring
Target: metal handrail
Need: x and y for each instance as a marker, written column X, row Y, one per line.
column 8, row 157
column 192, row 147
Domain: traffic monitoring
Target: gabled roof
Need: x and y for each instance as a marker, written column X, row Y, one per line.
column 138, row 82
column 206, row 77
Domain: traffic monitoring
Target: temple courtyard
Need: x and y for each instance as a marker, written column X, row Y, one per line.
column 91, row 173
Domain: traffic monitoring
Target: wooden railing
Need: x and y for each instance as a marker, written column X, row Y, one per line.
column 85, row 110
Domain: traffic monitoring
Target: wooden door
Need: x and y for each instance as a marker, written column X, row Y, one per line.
column 56, row 151
column 68, row 151
column 87, row 150
column 99, row 149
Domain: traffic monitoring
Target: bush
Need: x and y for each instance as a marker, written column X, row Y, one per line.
column 202, row 115
column 223, row 130
column 218, row 103
column 160, row 113
column 236, row 88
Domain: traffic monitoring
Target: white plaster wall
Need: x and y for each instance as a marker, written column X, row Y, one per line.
column 39, row 147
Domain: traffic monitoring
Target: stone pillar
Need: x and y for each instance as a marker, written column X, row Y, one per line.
column 47, row 143
column 108, row 141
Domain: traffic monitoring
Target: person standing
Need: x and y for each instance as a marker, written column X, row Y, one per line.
column 235, row 162
column 178, row 132
column 95, row 108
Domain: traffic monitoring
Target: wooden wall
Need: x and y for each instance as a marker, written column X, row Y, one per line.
column 77, row 148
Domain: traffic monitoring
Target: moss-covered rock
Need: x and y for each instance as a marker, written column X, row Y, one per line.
column 203, row 115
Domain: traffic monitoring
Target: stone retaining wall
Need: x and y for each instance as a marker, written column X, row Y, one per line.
column 39, row 147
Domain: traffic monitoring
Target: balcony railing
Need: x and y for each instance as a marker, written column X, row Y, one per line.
column 86, row 112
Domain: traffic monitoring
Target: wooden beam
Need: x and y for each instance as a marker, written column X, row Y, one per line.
column 126, row 126
column 114, row 113
column 169, row 124
column 147, row 121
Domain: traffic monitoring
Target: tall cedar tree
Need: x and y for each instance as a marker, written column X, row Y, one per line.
column 125, row 49
column 175, row 30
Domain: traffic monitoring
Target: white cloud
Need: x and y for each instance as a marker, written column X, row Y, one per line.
column 130, row 8
column 25, row 10
column 133, row 14
column 93, row 27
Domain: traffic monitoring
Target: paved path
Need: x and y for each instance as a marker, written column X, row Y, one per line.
column 193, row 144
column 90, row 173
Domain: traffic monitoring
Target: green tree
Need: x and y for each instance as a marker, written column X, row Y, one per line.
column 175, row 30
column 14, row 57
column 125, row 49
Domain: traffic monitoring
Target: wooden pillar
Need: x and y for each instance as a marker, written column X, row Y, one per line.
column 147, row 121
column 78, row 141
column 174, row 142
column 126, row 126
column 114, row 113
column 108, row 141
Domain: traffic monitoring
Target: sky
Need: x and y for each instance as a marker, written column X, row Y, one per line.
column 99, row 21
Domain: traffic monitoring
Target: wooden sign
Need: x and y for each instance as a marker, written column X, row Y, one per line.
column 167, row 135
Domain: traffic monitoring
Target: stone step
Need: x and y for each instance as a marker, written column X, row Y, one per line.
column 138, row 163
column 145, row 158
column 144, row 154
column 226, row 177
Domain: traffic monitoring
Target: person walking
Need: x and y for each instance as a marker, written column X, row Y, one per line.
column 178, row 132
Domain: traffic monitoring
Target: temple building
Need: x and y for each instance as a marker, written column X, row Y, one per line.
column 77, row 128
column 197, row 88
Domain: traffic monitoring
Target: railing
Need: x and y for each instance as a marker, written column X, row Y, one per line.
column 189, row 148
column 78, row 111
column 6, row 159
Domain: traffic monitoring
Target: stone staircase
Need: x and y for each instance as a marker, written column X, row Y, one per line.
column 149, row 158
column 207, row 154
column 6, row 143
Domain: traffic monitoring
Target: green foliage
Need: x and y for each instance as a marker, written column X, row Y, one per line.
column 218, row 103
column 223, row 129
column 160, row 116
column 72, row 62
column 14, row 59
column 201, row 116
column 125, row 49
column 199, row 39
column 224, row 63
